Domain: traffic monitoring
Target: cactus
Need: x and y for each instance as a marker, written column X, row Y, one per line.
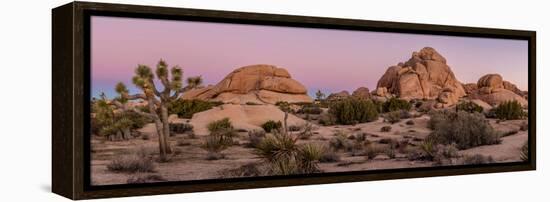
column 157, row 100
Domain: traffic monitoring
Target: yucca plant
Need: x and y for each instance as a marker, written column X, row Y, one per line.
column 524, row 155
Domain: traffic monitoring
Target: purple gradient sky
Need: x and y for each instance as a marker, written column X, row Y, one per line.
column 330, row 60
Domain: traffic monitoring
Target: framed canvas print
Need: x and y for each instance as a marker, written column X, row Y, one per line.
column 156, row 100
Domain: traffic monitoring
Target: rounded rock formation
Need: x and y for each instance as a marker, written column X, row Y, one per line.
column 493, row 89
column 425, row 75
column 254, row 83
column 361, row 92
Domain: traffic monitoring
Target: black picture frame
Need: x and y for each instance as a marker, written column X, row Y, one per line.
column 71, row 97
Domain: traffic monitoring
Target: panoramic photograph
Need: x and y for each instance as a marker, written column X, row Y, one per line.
column 175, row 100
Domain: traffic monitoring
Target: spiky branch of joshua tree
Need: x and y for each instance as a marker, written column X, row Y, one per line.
column 157, row 100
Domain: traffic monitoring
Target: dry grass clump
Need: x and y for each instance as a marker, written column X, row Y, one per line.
column 255, row 137
column 385, row 129
column 478, row 159
column 140, row 179
column 138, row 162
column 524, row 152
column 246, row 170
column 306, row 131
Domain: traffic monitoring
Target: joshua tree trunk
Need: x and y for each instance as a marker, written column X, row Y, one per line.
column 165, row 127
column 284, row 123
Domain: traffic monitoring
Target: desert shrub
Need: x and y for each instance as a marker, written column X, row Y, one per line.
column 306, row 131
column 139, row 162
column 395, row 104
column 385, row 129
column 310, row 109
column 252, row 103
column 140, row 179
column 524, row 153
column 464, row 129
column 393, row 117
column 478, row 159
column 178, row 128
column 255, row 137
column 294, row 128
column 410, row 122
column 340, row 142
column 373, row 150
column 186, row 108
column 246, row 170
column 360, row 137
column 509, row 110
column 329, row 156
column 524, row 126
column 444, row 154
column 469, row 106
column 390, row 152
column 352, row 111
column 508, row 133
column 215, row 143
column 116, row 126
column 327, row 119
column 182, row 143
column 220, row 125
column 272, row 125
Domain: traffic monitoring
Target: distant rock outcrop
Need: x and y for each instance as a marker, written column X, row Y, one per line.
column 255, row 83
column 338, row 96
column 492, row 89
column 361, row 92
column 425, row 75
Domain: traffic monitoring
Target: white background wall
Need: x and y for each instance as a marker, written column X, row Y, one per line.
column 25, row 103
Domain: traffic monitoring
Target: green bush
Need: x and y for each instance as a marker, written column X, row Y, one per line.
column 509, row 110
column 272, row 125
column 469, row 106
column 186, row 108
column 179, row 128
column 464, row 129
column 310, row 109
column 327, row 119
column 393, row 117
column 395, row 104
column 220, row 125
column 352, row 111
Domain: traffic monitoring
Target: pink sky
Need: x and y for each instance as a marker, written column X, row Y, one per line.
column 329, row 60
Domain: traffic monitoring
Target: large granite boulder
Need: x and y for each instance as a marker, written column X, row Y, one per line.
column 256, row 83
column 361, row 92
column 425, row 75
column 493, row 89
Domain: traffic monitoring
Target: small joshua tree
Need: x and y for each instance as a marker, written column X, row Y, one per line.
column 157, row 101
column 319, row 95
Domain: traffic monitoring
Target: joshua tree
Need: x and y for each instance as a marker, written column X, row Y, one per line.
column 285, row 107
column 157, row 101
column 319, row 95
